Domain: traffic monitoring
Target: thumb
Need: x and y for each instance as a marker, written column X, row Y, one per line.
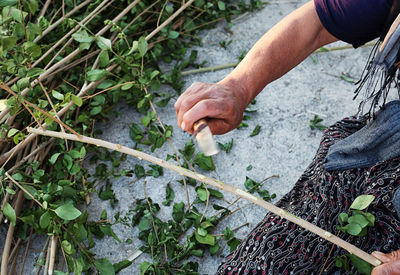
column 382, row 256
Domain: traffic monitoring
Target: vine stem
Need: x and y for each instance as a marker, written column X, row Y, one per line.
column 220, row 185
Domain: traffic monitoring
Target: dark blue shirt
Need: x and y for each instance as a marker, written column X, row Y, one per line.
column 353, row 21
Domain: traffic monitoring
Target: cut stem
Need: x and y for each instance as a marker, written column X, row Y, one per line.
column 220, row 185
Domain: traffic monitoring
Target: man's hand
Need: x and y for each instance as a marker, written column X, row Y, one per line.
column 390, row 263
column 222, row 104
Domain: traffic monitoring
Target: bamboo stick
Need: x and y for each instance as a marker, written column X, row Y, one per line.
column 220, row 185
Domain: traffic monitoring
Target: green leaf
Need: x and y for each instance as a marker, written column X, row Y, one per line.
column 57, row 95
column 173, row 35
column 144, row 224
column 83, row 37
column 104, row 266
column 76, row 100
column 178, row 212
column 202, row 232
column 104, row 59
column 353, row 229
column 12, row 132
column 139, row 171
column 142, row 46
column 104, row 43
column 343, row 218
column 208, row 239
column 5, row 3
column 10, row 213
column 214, row 249
column 145, row 266
column 202, row 194
column 204, row 162
column 67, row 212
column 226, row 146
column 362, row 266
column 362, row 202
column 10, row 191
column 126, row 86
column 8, row 43
column 169, row 195
column 256, row 131
column 121, row 265
column 96, row 110
column 44, row 220
column 359, row 219
column 34, row 72
column 221, row 5
column 54, row 158
column 95, row 75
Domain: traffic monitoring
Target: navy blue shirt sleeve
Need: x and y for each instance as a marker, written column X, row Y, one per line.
column 353, row 21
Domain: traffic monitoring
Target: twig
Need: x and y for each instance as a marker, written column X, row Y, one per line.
column 234, row 64
column 70, row 56
column 44, row 9
column 15, row 254
column 6, row 156
column 210, row 69
column 10, row 233
column 23, row 189
column 172, row 17
column 38, row 266
column 53, row 246
column 26, row 252
column 46, row 264
column 59, row 21
column 3, row 86
column 220, row 185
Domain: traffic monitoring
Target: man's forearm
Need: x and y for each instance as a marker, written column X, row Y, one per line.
column 278, row 51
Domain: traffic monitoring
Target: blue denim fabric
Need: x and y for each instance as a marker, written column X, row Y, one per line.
column 377, row 141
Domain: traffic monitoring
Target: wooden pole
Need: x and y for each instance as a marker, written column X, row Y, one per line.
column 220, row 185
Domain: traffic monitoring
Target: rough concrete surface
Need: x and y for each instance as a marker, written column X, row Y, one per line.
column 285, row 145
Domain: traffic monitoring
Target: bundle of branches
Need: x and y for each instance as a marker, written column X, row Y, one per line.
column 64, row 64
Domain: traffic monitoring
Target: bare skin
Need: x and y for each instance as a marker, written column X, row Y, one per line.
column 278, row 51
column 282, row 48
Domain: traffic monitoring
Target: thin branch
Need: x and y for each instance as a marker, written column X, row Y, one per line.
column 53, row 246
column 26, row 252
column 172, row 17
column 23, row 189
column 44, row 9
column 10, row 233
column 59, row 21
column 220, row 185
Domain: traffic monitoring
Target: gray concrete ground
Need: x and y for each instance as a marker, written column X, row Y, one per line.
column 284, row 146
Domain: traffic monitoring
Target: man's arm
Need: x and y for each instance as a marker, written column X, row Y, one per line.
column 278, row 51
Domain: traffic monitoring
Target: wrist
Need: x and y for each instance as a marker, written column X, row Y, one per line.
column 239, row 91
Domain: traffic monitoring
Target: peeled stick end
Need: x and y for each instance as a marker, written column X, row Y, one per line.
column 205, row 138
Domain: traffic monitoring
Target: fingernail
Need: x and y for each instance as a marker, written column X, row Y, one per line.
column 183, row 125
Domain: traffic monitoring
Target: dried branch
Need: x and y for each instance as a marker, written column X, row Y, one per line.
column 220, row 185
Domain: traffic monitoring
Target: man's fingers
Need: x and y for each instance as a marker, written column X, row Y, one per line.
column 392, row 256
column 391, row 268
column 385, row 258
